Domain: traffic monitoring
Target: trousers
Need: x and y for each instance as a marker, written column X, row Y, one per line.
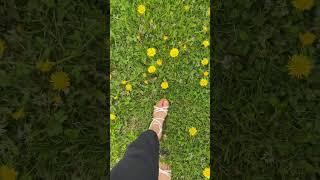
column 141, row 160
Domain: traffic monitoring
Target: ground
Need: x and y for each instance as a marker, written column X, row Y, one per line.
column 266, row 121
column 131, row 36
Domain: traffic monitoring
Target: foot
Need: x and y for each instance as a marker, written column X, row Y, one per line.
column 159, row 115
column 164, row 172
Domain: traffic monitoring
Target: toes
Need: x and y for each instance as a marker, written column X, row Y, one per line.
column 164, row 167
column 163, row 103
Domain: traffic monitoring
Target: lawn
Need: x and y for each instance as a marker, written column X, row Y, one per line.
column 52, row 90
column 135, row 88
column 266, row 123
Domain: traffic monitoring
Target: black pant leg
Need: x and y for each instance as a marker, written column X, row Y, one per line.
column 141, row 160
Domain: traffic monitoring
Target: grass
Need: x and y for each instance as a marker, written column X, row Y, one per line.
column 266, row 122
column 188, row 156
column 66, row 140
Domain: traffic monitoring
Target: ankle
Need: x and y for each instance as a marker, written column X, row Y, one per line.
column 156, row 130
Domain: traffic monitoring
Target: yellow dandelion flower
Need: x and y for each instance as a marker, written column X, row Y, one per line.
column 123, row 82
column 300, row 66
column 151, row 52
column 2, row 47
column 128, row 87
column 164, row 85
column 7, row 173
column 45, row 66
column 205, row 61
column 174, row 52
column 113, row 117
column 303, row 4
column 203, row 82
column 205, row 29
column 165, row 37
column 186, row 7
column 206, row 173
column 205, row 43
column 141, row 9
column 307, row 38
column 18, row 114
column 60, row 80
column 192, row 131
column 159, row 62
column 152, row 69
column 206, row 73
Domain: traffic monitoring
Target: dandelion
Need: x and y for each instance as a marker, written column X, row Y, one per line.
column 303, row 4
column 206, row 73
column 203, row 82
column 45, row 66
column 205, row 43
column 113, row 117
column 164, row 85
column 2, row 47
column 7, row 173
column 206, row 173
column 129, row 87
column 151, row 52
column 165, row 37
column 300, row 66
column 192, row 131
column 123, row 82
column 174, row 52
column 152, row 69
column 186, row 7
column 18, row 114
column 307, row 38
column 205, row 61
column 141, row 9
column 159, row 62
column 60, row 80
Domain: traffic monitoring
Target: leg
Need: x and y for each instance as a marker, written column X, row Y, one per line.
column 141, row 159
column 142, row 156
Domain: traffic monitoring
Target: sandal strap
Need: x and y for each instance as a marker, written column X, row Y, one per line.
column 161, row 109
column 165, row 172
column 157, row 122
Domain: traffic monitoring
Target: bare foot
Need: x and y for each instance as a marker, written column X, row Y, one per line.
column 159, row 115
column 164, row 172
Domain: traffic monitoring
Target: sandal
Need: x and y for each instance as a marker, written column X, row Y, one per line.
column 165, row 172
column 159, row 121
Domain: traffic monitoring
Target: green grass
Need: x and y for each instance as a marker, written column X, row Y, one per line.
column 266, row 122
column 189, row 102
column 65, row 141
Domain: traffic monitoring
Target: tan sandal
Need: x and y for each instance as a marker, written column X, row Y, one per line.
column 165, row 172
column 159, row 121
